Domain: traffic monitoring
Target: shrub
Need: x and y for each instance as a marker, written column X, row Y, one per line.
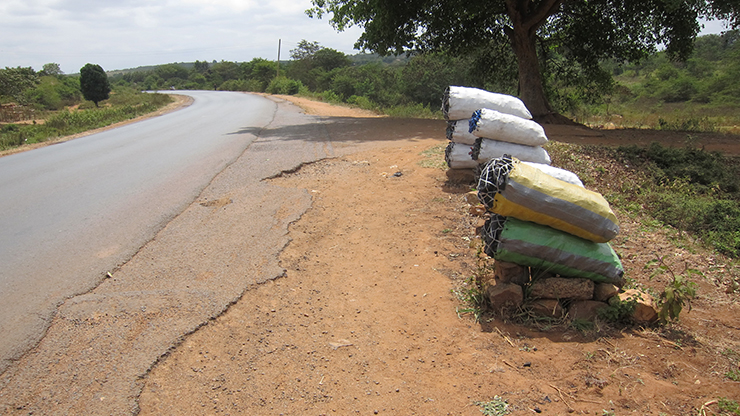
column 284, row 86
column 362, row 102
column 235, row 85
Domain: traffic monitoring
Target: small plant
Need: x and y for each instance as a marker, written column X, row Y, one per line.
column 473, row 297
column 677, row 294
column 582, row 325
column 619, row 311
column 472, row 294
column 733, row 375
column 727, row 406
column 495, row 407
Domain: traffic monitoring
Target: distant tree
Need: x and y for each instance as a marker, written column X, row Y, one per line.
column 305, row 49
column 263, row 71
column 200, row 66
column 312, row 64
column 170, row 71
column 426, row 75
column 329, row 59
column 226, row 70
column 51, row 69
column 15, row 81
column 94, row 83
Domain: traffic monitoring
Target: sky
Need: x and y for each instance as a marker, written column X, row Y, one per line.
column 121, row 34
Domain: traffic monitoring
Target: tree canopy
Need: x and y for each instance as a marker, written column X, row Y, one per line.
column 581, row 32
column 14, row 81
column 94, row 83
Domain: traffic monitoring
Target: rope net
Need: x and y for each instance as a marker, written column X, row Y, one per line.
column 493, row 177
column 491, row 233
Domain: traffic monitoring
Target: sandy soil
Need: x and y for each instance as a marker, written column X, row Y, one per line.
column 366, row 321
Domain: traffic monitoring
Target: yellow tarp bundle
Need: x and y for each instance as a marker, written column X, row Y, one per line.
column 529, row 194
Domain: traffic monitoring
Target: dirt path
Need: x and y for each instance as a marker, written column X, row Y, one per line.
column 364, row 320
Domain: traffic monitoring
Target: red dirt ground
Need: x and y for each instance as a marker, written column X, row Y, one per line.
column 364, row 320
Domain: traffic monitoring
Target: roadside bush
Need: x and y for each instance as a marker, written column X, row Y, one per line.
column 53, row 93
column 11, row 136
column 240, row 85
column 676, row 90
column 413, row 111
column 703, row 170
column 692, row 190
column 284, row 86
column 329, row 97
column 362, row 102
column 124, row 105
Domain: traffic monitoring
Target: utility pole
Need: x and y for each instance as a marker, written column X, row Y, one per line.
column 280, row 41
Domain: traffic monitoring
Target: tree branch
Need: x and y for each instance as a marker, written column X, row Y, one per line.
column 537, row 18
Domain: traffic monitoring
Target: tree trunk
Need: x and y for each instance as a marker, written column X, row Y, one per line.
column 523, row 36
column 531, row 90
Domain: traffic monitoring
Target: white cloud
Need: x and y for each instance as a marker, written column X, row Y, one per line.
column 121, row 34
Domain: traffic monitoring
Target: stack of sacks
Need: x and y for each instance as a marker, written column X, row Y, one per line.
column 466, row 150
column 548, row 221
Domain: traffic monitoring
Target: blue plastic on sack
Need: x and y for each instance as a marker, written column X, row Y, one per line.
column 473, row 123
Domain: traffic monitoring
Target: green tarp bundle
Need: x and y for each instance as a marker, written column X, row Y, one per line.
column 528, row 244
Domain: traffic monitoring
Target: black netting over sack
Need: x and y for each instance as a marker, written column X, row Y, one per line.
column 448, row 152
column 446, row 103
column 493, row 178
column 491, row 233
column 450, row 131
column 475, row 154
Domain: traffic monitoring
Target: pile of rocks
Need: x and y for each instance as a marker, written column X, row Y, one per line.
column 558, row 297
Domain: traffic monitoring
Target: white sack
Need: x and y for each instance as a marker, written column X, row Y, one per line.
column 459, row 102
column 457, row 131
column 492, row 124
column 558, row 173
column 457, row 156
column 487, row 149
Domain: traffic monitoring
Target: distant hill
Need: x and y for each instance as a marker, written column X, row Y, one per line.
column 356, row 59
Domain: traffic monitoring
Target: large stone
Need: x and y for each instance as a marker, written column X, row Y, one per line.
column 645, row 308
column 505, row 296
column 472, row 198
column 550, row 308
column 563, row 288
column 511, row 273
column 604, row 291
column 585, row 309
column 477, row 210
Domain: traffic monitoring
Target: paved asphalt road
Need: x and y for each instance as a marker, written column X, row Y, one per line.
column 72, row 212
column 182, row 242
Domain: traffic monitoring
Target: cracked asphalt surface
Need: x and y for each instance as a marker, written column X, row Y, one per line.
column 100, row 344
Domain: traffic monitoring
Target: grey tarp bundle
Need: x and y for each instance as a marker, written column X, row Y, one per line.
column 492, row 124
column 487, row 149
column 457, row 131
column 464, row 156
column 528, row 244
column 458, row 103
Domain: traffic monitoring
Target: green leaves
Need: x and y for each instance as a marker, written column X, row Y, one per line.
column 677, row 294
column 94, row 83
